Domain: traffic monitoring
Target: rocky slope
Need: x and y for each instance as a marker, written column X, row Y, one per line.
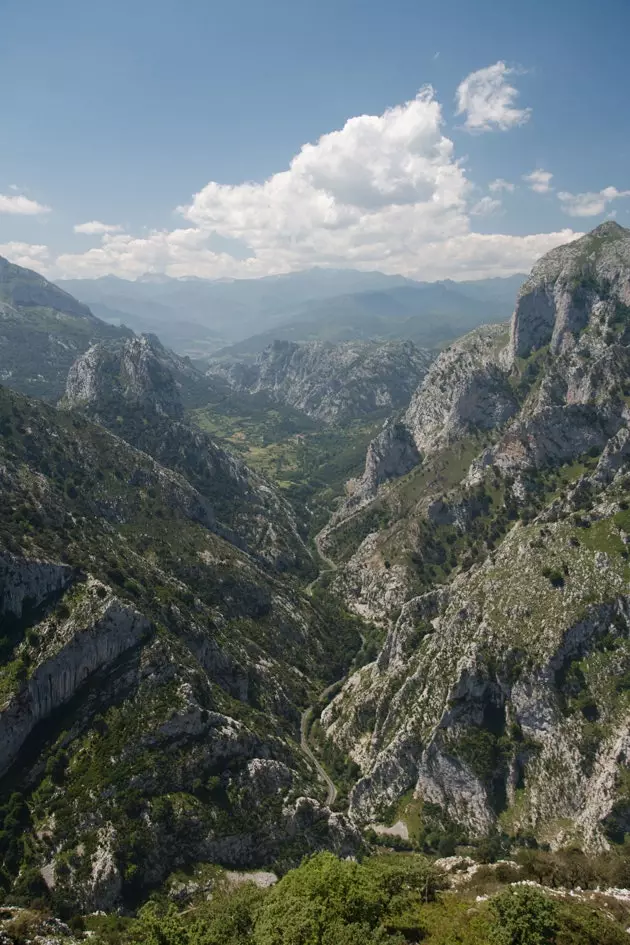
column 130, row 387
column 152, row 673
column 332, row 383
column 502, row 694
column 42, row 331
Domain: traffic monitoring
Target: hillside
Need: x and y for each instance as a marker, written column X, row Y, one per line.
column 489, row 536
column 42, row 330
column 152, row 669
column 189, row 682
column 333, row 383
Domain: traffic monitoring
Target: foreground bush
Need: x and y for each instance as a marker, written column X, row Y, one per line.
column 386, row 900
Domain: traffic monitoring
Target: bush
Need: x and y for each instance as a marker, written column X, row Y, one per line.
column 524, row 916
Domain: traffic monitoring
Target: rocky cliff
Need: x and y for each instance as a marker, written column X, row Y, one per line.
column 332, row 382
column 499, row 564
column 99, row 629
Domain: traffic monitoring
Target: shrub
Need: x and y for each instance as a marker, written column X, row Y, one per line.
column 524, row 916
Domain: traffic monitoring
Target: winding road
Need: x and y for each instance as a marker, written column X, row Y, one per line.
column 331, row 565
column 331, row 796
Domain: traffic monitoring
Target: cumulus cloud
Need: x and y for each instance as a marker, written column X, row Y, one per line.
column 33, row 256
column 21, row 205
column 96, row 228
column 496, row 186
column 485, row 207
column 487, row 100
column 589, row 204
column 383, row 192
column 539, row 181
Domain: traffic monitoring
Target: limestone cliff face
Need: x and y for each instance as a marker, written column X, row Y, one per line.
column 27, row 584
column 576, row 304
column 333, row 383
column 567, row 289
column 466, row 389
column 489, row 697
column 390, row 455
column 99, row 630
column 130, row 372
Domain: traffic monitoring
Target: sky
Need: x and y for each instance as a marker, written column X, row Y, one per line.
column 242, row 138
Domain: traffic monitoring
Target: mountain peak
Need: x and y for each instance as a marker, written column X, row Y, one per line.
column 610, row 229
column 109, row 377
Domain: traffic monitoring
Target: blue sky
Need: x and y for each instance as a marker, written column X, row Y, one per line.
column 120, row 113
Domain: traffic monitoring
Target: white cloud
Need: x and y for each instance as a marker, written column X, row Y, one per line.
column 487, row 100
column 485, row 207
column 539, row 181
column 589, row 204
column 21, row 205
column 481, row 255
column 383, row 192
column 31, row 255
column 496, row 186
column 96, row 228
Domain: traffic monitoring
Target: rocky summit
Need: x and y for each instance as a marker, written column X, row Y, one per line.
column 215, row 659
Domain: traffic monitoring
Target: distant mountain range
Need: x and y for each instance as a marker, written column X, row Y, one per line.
column 199, row 317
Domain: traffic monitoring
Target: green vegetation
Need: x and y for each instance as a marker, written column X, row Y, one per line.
column 309, row 461
column 390, row 899
column 230, row 657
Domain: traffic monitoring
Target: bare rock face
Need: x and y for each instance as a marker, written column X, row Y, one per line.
column 130, row 373
column 556, row 302
column 465, row 389
column 333, row 383
column 481, row 664
column 391, row 454
column 27, row 584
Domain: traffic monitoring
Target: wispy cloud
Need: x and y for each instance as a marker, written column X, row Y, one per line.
column 485, row 206
column 96, row 228
column 496, row 186
column 487, row 100
column 589, row 204
column 539, row 181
